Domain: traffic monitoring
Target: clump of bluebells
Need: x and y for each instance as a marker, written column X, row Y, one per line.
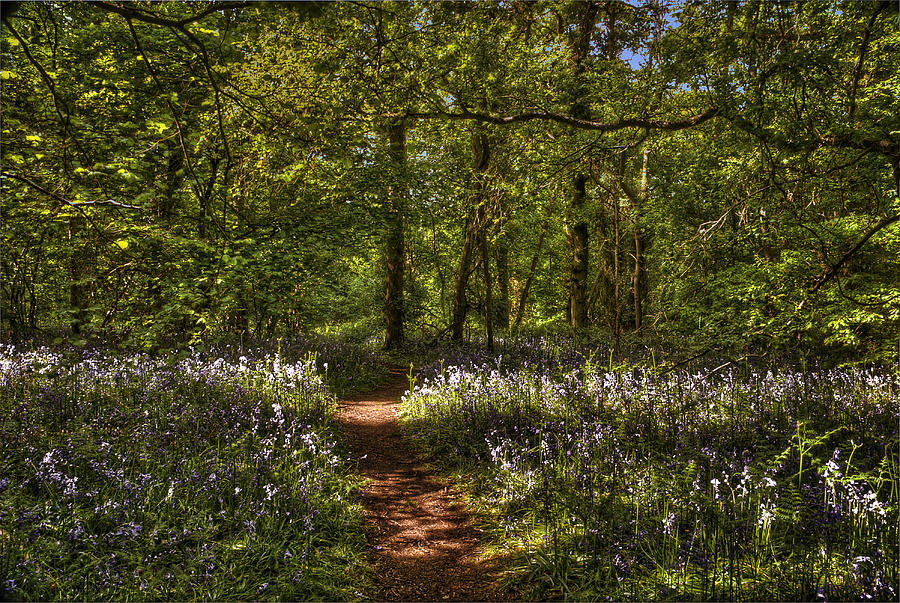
column 548, row 354
column 633, row 483
column 178, row 476
column 345, row 367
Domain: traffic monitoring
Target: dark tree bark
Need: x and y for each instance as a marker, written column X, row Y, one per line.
column 602, row 293
column 78, row 291
column 579, row 244
column 394, row 240
column 165, row 203
column 637, row 280
column 486, row 271
column 462, row 279
column 205, row 197
column 475, row 224
column 618, row 299
column 165, row 208
column 579, row 248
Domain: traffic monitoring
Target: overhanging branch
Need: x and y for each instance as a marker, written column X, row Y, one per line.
column 583, row 124
column 882, row 146
column 58, row 103
column 833, row 270
column 140, row 14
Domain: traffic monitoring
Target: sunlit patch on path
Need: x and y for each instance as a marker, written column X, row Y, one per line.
column 424, row 547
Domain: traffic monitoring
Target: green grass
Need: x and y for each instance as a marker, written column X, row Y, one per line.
column 626, row 484
column 185, row 478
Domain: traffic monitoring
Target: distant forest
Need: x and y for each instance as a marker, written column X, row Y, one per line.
column 703, row 173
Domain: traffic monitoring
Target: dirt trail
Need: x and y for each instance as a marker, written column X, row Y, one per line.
column 424, row 546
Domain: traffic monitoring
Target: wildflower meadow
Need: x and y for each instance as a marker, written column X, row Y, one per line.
column 178, row 476
column 218, row 472
column 635, row 482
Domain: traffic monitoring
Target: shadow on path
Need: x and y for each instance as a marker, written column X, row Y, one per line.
column 424, row 546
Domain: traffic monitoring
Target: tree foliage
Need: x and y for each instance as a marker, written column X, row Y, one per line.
column 725, row 173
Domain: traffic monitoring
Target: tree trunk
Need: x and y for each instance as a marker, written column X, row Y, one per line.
column 603, row 291
column 637, row 281
column 618, row 300
column 486, row 271
column 578, row 245
column 462, row 280
column 526, row 289
column 204, row 196
column 481, row 151
column 165, row 208
column 502, row 312
column 578, row 227
column 394, row 242
column 78, row 292
column 174, row 177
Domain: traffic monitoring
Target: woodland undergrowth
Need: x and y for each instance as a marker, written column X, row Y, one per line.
column 215, row 474
column 636, row 482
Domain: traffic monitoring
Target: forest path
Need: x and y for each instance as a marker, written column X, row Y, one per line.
column 424, row 545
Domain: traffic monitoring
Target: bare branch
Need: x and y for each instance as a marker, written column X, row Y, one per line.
column 832, row 271
column 76, row 204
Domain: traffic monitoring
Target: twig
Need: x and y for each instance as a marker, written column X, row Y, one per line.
column 716, row 370
column 683, row 362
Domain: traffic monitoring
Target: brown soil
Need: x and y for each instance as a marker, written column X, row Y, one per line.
column 424, row 547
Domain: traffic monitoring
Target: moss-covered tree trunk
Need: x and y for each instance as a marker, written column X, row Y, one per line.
column 475, row 223
column 577, row 229
column 394, row 239
column 637, row 280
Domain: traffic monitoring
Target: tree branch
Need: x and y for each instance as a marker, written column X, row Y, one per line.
column 195, row 45
column 857, row 69
column 57, row 102
column 76, row 204
column 883, row 146
column 159, row 86
column 832, row 271
column 583, row 124
column 149, row 17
